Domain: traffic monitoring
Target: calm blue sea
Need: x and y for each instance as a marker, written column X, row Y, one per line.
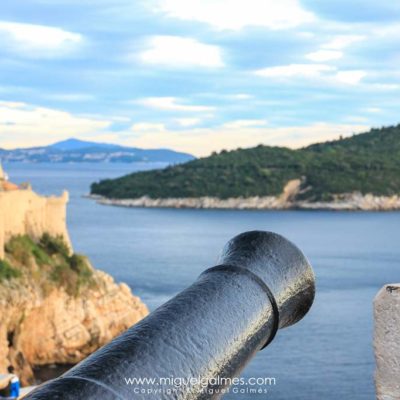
column 158, row 252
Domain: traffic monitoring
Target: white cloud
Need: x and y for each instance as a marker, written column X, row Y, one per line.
column 333, row 50
column 236, row 14
column 28, row 125
column 324, row 55
column 350, row 77
column 181, row 52
column 321, row 71
column 12, row 104
column 118, row 118
column 141, row 127
column 71, row 97
column 385, row 86
column 339, row 42
column 294, row 70
column 172, row 104
column 373, row 110
column 186, row 122
column 318, row 72
column 245, row 123
column 202, row 141
column 356, row 119
column 24, row 125
column 241, row 96
column 37, row 40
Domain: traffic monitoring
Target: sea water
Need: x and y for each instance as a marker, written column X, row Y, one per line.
column 158, row 252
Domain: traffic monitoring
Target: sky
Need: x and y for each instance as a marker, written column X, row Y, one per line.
column 197, row 75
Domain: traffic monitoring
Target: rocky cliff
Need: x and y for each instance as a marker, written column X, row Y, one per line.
column 55, row 308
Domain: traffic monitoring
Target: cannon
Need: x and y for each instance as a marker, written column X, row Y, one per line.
column 192, row 346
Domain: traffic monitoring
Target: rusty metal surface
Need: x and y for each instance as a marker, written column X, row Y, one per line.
column 210, row 330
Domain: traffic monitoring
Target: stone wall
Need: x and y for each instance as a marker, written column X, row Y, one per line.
column 387, row 342
column 25, row 212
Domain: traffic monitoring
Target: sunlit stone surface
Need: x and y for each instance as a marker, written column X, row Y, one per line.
column 387, row 342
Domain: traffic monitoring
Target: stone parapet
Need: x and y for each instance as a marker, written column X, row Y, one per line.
column 387, row 342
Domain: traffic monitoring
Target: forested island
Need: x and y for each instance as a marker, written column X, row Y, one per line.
column 362, row 168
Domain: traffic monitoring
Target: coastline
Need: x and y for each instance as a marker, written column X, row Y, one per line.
column 343, row 202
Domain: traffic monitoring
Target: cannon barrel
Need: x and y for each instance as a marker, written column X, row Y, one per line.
column 190, row 347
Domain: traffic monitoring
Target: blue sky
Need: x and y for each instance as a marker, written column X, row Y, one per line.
column 197, row 75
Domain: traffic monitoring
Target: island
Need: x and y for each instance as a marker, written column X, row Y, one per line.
column 360, row 172
column 55, row 308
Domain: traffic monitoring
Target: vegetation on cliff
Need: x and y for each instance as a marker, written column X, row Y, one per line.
column 47, row 261
column 7, row 271
column 366, row 163
column 55, row 308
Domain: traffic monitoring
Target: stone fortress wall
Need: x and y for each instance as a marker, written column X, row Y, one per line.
column 23, row 212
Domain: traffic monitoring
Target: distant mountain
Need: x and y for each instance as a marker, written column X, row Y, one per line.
column 75, row 150
column 76, row 144
column 365, row 163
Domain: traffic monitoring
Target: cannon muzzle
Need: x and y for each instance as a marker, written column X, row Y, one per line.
column 192, row 346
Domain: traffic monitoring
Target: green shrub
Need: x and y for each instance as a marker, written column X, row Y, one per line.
column 54, row 245
column 22, row 248
column 7, row 271
column 64, row 276
column 41, row 257
column 73, row 274
column 79, row 264
column 53, row 256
